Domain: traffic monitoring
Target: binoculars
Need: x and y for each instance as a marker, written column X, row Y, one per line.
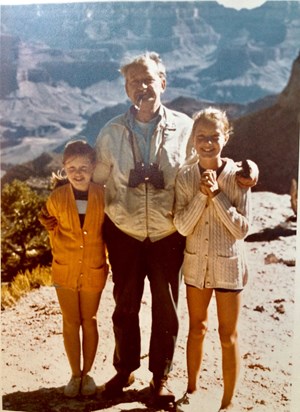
column 146, row 173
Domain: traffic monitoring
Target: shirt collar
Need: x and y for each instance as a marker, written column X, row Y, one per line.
column 165, row 120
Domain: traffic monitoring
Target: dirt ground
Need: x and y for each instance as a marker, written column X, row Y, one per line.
column 35, row 368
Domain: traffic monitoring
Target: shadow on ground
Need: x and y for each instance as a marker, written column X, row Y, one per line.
column 53, row 400
column 274, row 233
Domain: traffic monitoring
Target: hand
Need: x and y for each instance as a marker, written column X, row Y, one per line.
column 208, row 183
column 49, row 222
column 247, row 175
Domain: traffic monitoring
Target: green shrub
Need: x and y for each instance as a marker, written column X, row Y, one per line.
column 25, row 242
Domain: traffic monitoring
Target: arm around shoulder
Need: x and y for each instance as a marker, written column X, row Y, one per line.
column 248, row 174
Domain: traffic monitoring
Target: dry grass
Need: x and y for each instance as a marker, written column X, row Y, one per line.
column 24, row 283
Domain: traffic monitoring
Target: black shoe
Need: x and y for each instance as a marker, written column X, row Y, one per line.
column 114, row 387
column 163, row 395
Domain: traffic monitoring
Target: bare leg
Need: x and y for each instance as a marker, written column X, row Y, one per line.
column 228, row 307
column 89, row 303
column 69, row 304
column 198, row 301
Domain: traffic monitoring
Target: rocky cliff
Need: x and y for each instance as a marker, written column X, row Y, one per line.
column 211, row 52
column 60, row 79
column 271, row 138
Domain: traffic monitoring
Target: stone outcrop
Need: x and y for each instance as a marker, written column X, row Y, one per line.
column 270, row 137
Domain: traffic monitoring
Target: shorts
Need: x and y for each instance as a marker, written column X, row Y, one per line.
column 223, row 290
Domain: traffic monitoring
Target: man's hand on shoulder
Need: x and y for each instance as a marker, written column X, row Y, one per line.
column 247, row 175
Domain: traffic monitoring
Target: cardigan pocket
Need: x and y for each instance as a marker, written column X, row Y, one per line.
column 228, row 269
column 61, row 274
column 97, row 277
column 190, row 266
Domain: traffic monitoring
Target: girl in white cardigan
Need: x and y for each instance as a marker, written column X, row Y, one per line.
column 213, row 212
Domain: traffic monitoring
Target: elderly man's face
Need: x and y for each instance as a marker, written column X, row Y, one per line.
column 144, row 85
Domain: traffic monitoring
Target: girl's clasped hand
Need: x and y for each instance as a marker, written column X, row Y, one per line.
column 208, row 183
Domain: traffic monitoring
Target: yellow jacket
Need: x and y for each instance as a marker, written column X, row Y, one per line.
column 79, row 260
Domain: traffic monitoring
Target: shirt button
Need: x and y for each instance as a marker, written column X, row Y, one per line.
column 81, row 246
column 81, row 275
column 206, row 240
column 85, row 232
column 80, row 261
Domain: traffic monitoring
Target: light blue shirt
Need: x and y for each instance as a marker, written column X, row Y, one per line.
column 143, row 133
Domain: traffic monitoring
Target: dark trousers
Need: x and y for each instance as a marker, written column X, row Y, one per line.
column 131, row 261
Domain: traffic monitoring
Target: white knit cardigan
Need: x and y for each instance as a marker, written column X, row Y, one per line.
column 215, row 228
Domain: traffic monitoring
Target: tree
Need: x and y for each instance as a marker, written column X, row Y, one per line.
column 24, row 240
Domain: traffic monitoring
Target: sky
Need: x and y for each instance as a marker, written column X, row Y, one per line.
column 241, row 4
column 237, row 4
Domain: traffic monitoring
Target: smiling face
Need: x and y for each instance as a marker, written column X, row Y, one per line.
column 144, row 82
column 209, row 139
column 79, row 170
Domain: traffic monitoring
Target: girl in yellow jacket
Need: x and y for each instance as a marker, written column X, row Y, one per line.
column 79, row 268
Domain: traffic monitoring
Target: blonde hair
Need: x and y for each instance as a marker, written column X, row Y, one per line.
column 215, row 115
column 145, row 59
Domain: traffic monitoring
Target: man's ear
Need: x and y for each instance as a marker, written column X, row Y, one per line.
column 163, row 84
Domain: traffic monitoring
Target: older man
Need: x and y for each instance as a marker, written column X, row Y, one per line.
column 139, row 154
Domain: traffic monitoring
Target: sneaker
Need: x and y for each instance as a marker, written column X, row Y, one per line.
column 114, row 387
column 163, row 395
column 88, row 386
column 73, row 387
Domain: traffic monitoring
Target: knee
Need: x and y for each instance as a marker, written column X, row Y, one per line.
column 198, row 329
column 89, row 323
column 70, row 324
column 228, row 339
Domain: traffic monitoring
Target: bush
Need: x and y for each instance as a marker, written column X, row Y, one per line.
column 24, row 283
column 25, row 242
